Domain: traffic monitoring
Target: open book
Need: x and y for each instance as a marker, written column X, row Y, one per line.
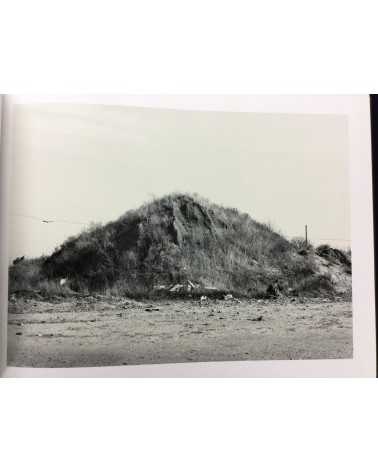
column 187, row 236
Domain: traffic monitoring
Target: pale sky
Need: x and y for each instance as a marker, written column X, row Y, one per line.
column 79, row 164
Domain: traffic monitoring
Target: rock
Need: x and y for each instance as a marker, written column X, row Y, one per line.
column 18, row 334
column 257, row 318
column 228, row 297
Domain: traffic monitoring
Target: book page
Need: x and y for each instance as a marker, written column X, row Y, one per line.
column 3, row 241
column 190, row 236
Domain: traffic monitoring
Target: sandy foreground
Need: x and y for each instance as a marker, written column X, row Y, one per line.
column 87, row 333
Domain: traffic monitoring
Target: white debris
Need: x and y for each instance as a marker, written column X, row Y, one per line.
column 228, row 297
column 176, row 288
column 160, row 287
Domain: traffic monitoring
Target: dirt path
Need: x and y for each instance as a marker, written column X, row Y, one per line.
column 68, row 334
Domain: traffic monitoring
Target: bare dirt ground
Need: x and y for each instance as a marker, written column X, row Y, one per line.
column 101, row 332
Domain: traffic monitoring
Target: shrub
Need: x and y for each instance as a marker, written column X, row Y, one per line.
column 317, row 285
column 301, row 246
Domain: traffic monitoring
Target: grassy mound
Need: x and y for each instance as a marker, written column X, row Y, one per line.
column 171, row 240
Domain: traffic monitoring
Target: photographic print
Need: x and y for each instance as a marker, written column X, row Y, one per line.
column 146, row 235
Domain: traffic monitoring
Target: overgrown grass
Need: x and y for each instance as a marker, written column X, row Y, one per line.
column 170, row 240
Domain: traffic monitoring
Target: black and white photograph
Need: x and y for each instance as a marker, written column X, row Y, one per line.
column 150, row 235
column 188, row 233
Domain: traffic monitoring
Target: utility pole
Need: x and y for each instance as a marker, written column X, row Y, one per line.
column 306, row 236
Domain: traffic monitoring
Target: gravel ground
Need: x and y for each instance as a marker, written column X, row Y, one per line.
column 101, row 332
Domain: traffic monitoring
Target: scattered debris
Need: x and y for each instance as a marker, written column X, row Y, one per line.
column 176, row 288
column 187, row 286
column 160, row 287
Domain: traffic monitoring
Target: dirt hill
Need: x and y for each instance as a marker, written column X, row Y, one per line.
column 185, row 240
